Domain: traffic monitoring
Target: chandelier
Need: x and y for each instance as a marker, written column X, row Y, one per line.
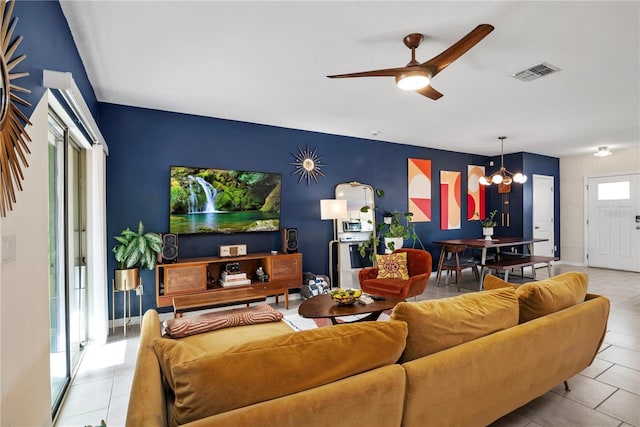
column 502, row 175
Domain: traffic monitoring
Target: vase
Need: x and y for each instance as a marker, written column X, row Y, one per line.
column 488, row 232
column 126, row 280
column 397, row 244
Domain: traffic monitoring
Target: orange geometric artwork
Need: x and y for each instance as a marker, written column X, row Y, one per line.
column 450, row 211
column 419, row 188
column 475, row 193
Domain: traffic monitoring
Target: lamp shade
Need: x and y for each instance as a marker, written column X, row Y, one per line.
column 333, row 209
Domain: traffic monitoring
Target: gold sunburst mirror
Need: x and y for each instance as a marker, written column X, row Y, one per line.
column 307, row 164
column 13, row 137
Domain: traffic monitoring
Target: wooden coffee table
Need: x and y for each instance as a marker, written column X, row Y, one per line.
column 324, row 307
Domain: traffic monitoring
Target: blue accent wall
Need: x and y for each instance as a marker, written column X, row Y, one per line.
column 48, row 45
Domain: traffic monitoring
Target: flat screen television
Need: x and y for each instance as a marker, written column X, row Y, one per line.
column 207, row 200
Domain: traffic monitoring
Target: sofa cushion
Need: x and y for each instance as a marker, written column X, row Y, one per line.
column 170, row 352
column 435, row 325
column 547, row 296
column 186, row 326
column 392, row 266
column 278, row 366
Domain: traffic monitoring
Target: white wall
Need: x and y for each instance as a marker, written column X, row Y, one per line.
column 24, row 293
column 573, row 170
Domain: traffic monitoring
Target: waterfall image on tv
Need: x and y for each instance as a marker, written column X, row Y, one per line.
column 223, row 201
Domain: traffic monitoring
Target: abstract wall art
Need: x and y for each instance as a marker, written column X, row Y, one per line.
column 475, row 193
column 450, row 211
column 419, row 188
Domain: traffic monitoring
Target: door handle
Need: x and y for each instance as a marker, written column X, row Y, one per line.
column 536, row 227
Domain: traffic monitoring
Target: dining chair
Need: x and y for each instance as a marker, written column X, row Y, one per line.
column 452, row 258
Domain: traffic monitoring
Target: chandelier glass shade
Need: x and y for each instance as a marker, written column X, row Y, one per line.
column 503, row 175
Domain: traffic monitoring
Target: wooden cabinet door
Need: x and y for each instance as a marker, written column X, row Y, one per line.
column 286, row 267
column 185, row 279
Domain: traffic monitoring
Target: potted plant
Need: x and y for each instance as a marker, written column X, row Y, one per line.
column 396, row 227
column 488, row 224
column 135, row 250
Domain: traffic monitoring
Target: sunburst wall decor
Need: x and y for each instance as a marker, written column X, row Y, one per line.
column 307, row 164
column 13, row 137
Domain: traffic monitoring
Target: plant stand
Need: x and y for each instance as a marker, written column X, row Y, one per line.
column 126, row 301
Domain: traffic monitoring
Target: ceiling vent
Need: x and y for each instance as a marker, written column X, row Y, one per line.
column 535, row 72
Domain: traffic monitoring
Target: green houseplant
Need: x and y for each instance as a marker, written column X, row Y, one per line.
column 135, row 250
column 394, row 229
column 488, row 224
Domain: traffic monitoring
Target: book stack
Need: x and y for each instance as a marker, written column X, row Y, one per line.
column 237, row 278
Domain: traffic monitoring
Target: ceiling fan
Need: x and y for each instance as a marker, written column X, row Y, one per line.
column 416, row 76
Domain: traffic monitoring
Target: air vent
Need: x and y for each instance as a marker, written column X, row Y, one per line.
column 535, row 72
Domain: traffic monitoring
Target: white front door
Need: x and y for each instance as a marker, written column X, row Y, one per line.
column 543, row 208
column 613, row 222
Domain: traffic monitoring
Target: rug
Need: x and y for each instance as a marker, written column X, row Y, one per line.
column 299, row 323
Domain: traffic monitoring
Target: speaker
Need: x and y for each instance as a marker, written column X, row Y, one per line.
column 169, row 248
column 289, row 240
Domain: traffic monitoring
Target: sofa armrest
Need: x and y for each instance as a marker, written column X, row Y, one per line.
column 147, row 404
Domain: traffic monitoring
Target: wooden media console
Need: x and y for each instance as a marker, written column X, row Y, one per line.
column 195, row 283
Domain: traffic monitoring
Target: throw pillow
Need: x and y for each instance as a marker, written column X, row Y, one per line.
column 492, row 282
column 547, row 296
column 537, row 299
column 436, row 325
column 392, row 266
column 288, row 364
column 185, row 326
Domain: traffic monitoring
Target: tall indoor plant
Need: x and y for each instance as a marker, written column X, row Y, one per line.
column 135, row 250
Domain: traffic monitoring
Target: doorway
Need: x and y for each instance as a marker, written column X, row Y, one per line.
column 613, row 222
column 543, row 215
column 67, row 256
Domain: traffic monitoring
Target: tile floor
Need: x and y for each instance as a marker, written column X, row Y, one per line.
column 605, row 394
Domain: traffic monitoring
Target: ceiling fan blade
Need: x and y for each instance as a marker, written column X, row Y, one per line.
column 388, row 72
column 429, row 92
column 456, row 50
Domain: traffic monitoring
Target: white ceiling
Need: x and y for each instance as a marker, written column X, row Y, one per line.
column 266, row 62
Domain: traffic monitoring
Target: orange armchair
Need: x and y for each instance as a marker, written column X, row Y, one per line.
column 419, row 264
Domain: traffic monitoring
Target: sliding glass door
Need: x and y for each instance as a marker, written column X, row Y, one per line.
column 67, row 256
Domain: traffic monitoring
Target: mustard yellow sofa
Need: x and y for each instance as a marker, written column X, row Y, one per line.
column 461, row 361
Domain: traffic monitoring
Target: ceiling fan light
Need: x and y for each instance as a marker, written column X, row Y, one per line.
column 413, row 80
column 497, row 179
column 483, row 180
column 507, row 180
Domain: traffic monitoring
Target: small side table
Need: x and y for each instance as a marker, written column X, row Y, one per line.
column 126, row 299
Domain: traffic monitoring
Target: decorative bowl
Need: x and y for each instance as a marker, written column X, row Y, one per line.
column 345, row 296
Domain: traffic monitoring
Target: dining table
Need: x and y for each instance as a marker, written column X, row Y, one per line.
column 496, row 242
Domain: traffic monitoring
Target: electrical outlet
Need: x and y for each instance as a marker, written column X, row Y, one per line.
column 139, row 290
